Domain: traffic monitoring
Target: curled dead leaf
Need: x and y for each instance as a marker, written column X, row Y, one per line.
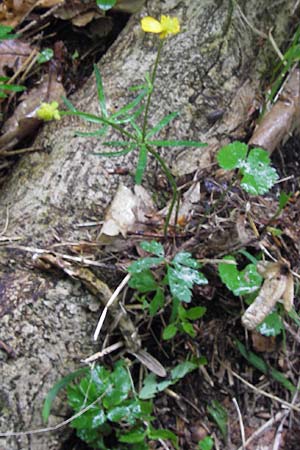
column 126, row 209
column 278, row 286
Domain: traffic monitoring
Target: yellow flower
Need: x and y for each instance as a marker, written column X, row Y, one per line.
column 48, row 111
column 167, row 25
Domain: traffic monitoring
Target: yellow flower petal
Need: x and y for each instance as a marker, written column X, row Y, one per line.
column 48, row 111
column 151, row 25
column 169, row 26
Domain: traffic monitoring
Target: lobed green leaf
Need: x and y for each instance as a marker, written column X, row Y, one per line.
column 144, row 263
column 153, row 247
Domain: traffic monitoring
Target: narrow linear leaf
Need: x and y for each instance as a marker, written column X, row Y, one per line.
column 100, row 132
column 137, row 130
column 12, row 87
column 219, row 414
column 125, row 109
column 114, row 154
column 130, row 117
column 263, row 367
column 69, row 104
column 161, row 124
column 141, row 165
column 119, row 144
column 177, row 143
column 88, row 117
column 100, row 91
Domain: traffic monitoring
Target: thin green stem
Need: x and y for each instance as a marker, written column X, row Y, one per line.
column 152, row 79
column 172, row 182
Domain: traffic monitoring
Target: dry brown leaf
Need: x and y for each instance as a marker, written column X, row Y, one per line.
column 282, row 119
column 263, row 344
column 23, row 122
column 78, row 12
column 13, row 54
column 12, row 12
column 126, row 209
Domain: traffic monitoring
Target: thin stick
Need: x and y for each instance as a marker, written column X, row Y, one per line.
column 103, row 352
column 40, row 251
column 264, row 427
column 242, row 428
column 266, row 394
column 6, row 222
column 55, row 427
column 108, row 304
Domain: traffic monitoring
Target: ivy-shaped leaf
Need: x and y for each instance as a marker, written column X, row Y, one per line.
column 231, row 156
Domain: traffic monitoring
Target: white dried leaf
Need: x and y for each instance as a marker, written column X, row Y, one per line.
column 277, row 287
column 126, row 209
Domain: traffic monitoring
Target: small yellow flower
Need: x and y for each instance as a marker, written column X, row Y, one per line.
column 167, row 25
column 48, row 111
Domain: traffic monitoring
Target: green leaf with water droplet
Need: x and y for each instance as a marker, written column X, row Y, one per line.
column 106, row 4
column 258, row 176
column 272, row 325
column 239, row 282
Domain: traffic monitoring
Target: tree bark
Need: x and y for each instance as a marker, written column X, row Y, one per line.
column 213, row 66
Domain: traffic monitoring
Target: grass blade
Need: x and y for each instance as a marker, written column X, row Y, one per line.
column 57, row 387
column 263, row 367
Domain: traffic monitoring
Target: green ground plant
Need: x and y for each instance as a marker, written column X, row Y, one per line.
column 176, row 277
column 257, row 176
column 206, row 444
column 131, row 121
column 109, row 413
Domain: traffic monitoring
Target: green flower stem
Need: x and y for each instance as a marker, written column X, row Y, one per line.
column 152, row 79
column 106, row 122
column 173, row 185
